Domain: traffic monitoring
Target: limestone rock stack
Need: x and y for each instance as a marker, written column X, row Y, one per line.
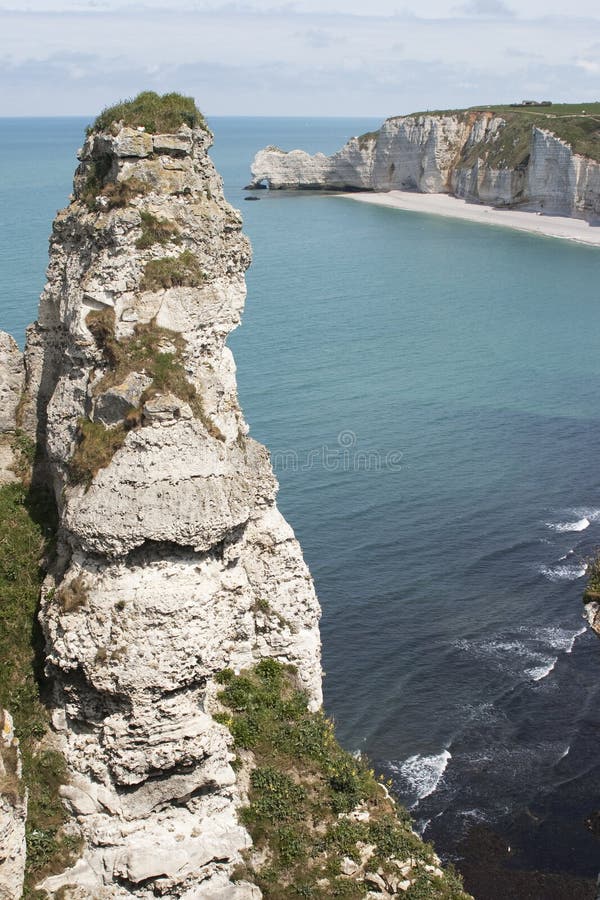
column 173, row 559
column 468, row 154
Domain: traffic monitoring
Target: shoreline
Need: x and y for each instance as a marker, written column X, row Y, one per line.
column 450, row 207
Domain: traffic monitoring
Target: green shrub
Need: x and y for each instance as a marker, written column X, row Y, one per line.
column 154, row 113
column 121, row 193
column 303, row 780
column 96, row 446
column 277, row 797
column 145, row 351
column 172, row 271
column 97, row 172
column 592, row 590
column 156, row 231
column 27, row 527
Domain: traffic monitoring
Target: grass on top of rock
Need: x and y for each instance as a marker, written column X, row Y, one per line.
column 117, row 194
column 578, row 124
column 27, row 526
column 155, row 351
column 305, row 793
column 96, row 446
column 592, row 589
column 369, row 137
column 172, row 271
column 152, row 350
column 156, row 231
column 155, row 113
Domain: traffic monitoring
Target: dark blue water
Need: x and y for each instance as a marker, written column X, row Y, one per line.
column 430, row 392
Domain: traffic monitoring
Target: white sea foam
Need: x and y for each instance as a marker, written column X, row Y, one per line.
column 591, row 513
column 539, row 672
column 559, row 638
column 476, row 815
column 424, row 773
column 421, row 826
column 579, row 525
column 528, row 656
column 569, row 572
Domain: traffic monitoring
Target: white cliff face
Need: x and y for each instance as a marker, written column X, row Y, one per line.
column 13, row 813
column 174, row 561
column 11, row 387
column 446, row 153
column 11, row 381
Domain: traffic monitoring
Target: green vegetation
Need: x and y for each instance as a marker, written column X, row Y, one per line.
column 156, row 231
column 152, row 112
column 172, row 271
column 24, row 452
column 117, row 193
column 302, row 789
column 592, row 590
column 121, row 193
column 27, row 525
column 369, row 137
column 96, row 446
column 96, row 175
column 576, row 123
column 153, row 350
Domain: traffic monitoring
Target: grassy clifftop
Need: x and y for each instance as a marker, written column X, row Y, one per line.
column 155, row 113
column 578, row 124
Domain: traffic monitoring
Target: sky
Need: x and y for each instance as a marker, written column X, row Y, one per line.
column 302, row 58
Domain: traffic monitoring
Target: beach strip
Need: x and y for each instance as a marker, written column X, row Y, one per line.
column 454, row 208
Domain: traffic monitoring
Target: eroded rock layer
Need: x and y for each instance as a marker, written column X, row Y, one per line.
column 173, row 559
column 475, row 156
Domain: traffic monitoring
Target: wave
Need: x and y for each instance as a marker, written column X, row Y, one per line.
column 527, row 655
column 559, row 638
column 579, row 525
column 591, row 513
column 539, row 672
column 569, row 572
column 423, row 774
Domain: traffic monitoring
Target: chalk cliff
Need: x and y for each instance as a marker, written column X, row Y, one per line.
column 11, row 385
column 173, row 559
column 13, row 812
column 480, row 156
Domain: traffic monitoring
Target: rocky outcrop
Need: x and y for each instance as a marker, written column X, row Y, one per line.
column 13, row 813
column 174, row 562
column 472, row 155
column 11, row 388
column 11, row 381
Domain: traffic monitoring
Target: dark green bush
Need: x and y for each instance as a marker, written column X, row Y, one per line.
column 156, row 231
column 302, row 781
column 27, row 526
column 155, row 113
column 172, row 271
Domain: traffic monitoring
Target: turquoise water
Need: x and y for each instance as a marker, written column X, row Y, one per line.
column 429, row 391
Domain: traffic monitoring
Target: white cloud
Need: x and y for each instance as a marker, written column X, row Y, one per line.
column 487, row 8
column 591, row 66
column 245, row 59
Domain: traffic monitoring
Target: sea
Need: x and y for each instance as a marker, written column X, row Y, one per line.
column 429, row 390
